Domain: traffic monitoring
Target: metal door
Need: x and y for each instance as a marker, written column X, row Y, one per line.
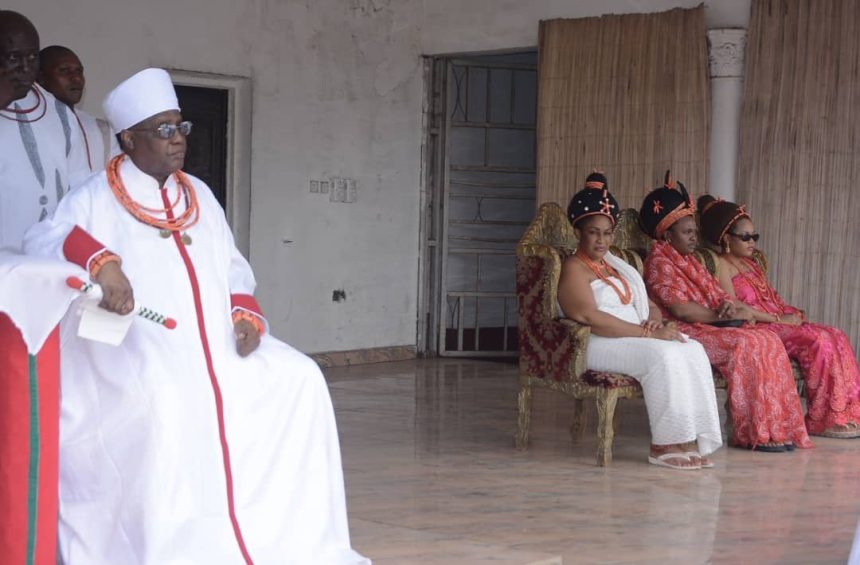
column 487, row 185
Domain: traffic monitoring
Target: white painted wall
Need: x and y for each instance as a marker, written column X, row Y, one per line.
column 337, row 91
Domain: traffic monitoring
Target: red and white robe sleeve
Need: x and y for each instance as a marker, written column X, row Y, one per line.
column 81, row 248
column 49, row 237
column 64, row 235
column 242, row 285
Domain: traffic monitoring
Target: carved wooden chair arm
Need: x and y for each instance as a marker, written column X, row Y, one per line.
column 579, row 341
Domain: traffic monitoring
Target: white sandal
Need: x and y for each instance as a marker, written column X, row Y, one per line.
column 661, row 461
column 708, row 465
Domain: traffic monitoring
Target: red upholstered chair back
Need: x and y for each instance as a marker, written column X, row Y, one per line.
column 544, row 343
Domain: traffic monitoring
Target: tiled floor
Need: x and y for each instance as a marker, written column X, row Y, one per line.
column 432, row 476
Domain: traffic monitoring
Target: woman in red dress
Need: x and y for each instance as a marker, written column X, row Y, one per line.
column 823, row 352
column 765, row 408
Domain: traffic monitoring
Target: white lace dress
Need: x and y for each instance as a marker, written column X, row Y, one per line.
column 676, row 377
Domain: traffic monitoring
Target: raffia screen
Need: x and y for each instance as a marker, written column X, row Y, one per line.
column 800, row 152
column 624, row 94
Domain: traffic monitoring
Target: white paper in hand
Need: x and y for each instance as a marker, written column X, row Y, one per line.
column 100, row 325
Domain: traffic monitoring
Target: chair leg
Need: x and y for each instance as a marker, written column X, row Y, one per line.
column 616, row 422
column 730, row 428
column 799, row 381
column 607, row 399
column 524, row 402
column 579, row 420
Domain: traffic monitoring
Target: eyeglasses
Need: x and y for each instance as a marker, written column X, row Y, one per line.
column 745, row 237
column 166, row 131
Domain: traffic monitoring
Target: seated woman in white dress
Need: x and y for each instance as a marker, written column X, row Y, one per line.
column 628, row 336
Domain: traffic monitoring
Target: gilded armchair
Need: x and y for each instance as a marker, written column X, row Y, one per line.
column 553, row 350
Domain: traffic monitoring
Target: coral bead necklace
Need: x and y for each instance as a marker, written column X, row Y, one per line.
column 767, row 297
column 173, row 222
column 598, row 269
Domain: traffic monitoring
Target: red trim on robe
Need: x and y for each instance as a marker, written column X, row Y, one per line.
column 48, row 363
column 246, row 302
column 213, row 379
column 79, row 247
column 15, row 444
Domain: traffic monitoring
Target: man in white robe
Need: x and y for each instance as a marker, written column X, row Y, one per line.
column 207, row 444
column 62, row 74
column 39, row 159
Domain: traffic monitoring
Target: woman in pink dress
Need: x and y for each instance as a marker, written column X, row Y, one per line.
column 823, row 352
column 765, row 410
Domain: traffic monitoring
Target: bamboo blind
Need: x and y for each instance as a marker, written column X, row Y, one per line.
column 800, row 152
column 625, row 94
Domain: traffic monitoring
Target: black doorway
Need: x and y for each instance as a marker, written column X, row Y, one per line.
column 207, row 145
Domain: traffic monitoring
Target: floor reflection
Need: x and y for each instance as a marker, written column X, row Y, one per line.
column 433, row 477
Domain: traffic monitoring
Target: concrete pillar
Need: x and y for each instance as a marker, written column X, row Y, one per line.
column 726, row 57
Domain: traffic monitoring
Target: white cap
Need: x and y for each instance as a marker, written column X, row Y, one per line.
column 139, row 97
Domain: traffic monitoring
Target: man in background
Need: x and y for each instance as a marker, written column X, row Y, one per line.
column 39, row 160
column 62, row 74
column 40, row 157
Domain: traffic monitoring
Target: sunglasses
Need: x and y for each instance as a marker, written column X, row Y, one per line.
column 745, row 237
column 166, row 131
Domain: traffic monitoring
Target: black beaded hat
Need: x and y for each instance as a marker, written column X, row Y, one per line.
column 664, row 206
column 592, row 200
column 717, row 216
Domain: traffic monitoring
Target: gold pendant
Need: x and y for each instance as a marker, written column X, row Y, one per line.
column 164, row 233
column 186, row 239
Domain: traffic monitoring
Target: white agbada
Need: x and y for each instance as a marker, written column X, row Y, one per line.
column 22, row 278
column 142, row 478
column 99, row 142
column 40, row 157
column 676, row 377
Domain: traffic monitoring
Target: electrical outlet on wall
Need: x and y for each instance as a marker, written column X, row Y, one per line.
column 351, row 191
column 338, row 190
